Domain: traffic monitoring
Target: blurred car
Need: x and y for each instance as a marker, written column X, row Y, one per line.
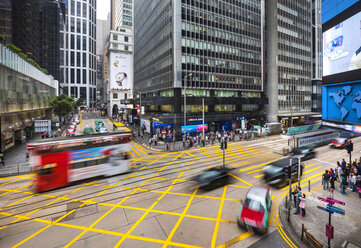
column 72, row 127
column 213, row 177
column 103, row 130
column 339, row 143
column 70, row 133
column 70, row 130
column 77, row 121
column 255, row 210
column 73, row 123
column 275, row 172
column 304, row 153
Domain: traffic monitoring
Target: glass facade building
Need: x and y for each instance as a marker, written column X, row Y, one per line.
column 219, row 43
column 121, row 14
column 6, row 20
column 78, row 51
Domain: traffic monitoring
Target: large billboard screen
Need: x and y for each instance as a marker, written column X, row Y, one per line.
column 342, row 102
column 120, row 71
column 342, row 46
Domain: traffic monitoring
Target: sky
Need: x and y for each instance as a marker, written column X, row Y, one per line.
column 103, row 8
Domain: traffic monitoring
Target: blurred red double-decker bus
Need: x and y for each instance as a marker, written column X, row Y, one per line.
column 58, row 163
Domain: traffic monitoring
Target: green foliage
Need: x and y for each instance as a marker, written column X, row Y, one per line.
column 62, row 105
column 23, row 55
column 2, row 38
column 78, row 102
column 13, row 48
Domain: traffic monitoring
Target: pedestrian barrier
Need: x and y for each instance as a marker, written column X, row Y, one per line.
column 310, row 238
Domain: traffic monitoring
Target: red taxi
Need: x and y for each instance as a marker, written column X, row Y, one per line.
column 255, row 210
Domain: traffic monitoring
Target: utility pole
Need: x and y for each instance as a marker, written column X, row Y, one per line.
column 289, row 174
column 299, row 171
column 185, row 109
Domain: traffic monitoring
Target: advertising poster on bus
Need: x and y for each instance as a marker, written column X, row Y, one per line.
column 121, row 75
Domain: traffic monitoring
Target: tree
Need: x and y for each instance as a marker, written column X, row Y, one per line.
column 2, row 38
column 78, row 103
column 62, row 105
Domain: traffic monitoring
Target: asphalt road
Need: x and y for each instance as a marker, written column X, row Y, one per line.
column 156, row 205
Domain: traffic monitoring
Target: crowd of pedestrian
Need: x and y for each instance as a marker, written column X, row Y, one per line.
column 348, row 175
column 209, row 138
column 299, row 200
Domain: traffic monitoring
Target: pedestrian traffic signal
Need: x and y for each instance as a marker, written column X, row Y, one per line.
column 225, row 145
column 222, row 145
column 288, row 171
column 349, row 148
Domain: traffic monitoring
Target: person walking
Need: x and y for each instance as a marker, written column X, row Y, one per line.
column 343, row 184
column 303, row 205
column 325, row 179
column 332, row 179
column 294, row 193
column 343, row 164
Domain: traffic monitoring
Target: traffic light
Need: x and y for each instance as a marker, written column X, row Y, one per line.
column 222, row 145
column 225, row 145
column 349, row 148
column 288, row 171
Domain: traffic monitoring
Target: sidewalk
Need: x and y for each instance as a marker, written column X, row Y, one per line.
column 15, row 159
column 347, row 228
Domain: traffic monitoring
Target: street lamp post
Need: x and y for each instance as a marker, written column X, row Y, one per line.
column 140, row 106
column 185, row 109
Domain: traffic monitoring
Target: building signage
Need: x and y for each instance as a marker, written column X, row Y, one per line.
column 239, row 118
column 142, row 112
column 120, row 71
column 317, row 139
column 303, row 129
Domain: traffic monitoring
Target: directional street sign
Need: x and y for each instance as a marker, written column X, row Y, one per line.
column 326, row 209
column 333, row 201
column 336, row 210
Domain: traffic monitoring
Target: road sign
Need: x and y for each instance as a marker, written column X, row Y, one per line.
column 142, row 110
column 333, row 201
column 164, row 132
column 336, row 210
column 325, row 209
column 138, row 110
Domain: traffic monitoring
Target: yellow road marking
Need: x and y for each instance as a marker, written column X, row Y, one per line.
column 131, row 154
column 81, row 117
column 237, row 155
column 231, row 151
column 23, row 199
column 170, row 236
column 140, row 148
column 304, row 180
column 259, row 154
column 240, row 179
column 251, row 172
column 256, row 166
column 308, row 165
column 220, row 209
column 258, row 176
column 235, row 240
column 131, row 147
column 313, row 169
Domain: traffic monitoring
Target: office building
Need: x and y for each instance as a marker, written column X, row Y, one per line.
column 121, row 12
column 78, row 63
column 119, row 84
column 6, row 20
column 289, row 61
column 209, row 50
column 25, row 95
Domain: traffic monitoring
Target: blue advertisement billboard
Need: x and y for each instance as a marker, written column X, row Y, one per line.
column 342, row 102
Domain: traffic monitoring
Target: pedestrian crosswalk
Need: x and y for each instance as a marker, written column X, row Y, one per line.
column 137, row 150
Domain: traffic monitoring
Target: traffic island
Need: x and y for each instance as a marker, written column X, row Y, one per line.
column 310, row 231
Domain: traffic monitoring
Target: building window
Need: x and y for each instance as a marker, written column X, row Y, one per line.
column 225, row 93
column 84, row 10
column 127, row 6
column 167, row 93
column 72, row 58
column 84, row 43
column 115, row 95
column 249, row 107
column 84, row 59
column 72, row 75
column 224, row 108
column 126, row 39
column 72, row 24
column 166, row 108
column 72, row 7
column 115, row 37
column 78, row 76
column 72, row 42
column 125, row 17
column 78, row 9
column 84, row 76
column 126, row 48
column 84, row 26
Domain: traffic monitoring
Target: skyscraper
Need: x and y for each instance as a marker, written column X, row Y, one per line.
column 78, row 63
column 188, row 50
column 121, row 12
column 289, row 60
column 6, row 20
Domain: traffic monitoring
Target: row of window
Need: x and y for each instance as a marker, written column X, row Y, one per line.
column 222, row 34
column 76, row 44
column 81, row 10
column 78, row 76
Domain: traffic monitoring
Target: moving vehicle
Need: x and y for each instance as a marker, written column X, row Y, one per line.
column 339, row 143
column 98, row 124
column 304, row 153
column 255, row 210
column 103, row 130
column 120, row 127
column 88, row 130
column 71, row 133
column 211, row 178
column 60, row 162
column 275, row 172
